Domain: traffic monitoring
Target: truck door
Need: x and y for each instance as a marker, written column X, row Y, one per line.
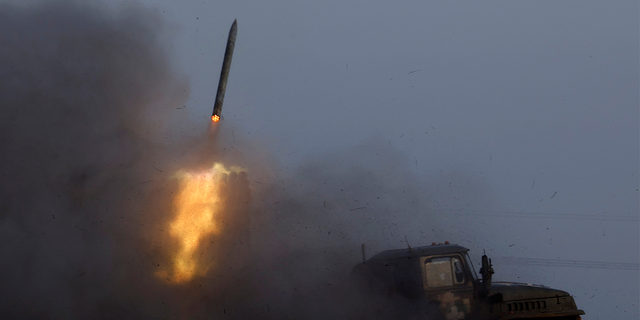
column 445, row 280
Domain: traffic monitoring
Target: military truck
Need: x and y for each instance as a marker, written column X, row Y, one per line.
column 440, row 282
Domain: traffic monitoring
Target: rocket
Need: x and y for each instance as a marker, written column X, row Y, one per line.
column 224, row 74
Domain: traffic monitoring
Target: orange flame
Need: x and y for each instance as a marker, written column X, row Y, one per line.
column 215, row 118
column 198, row 206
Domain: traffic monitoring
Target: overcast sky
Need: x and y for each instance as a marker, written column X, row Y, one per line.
column 518, row 119
column 534, row 102
column 509, row 92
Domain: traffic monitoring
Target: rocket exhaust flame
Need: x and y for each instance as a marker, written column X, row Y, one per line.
column 198, row 207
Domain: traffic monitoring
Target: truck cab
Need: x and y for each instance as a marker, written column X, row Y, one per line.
column 441, row 279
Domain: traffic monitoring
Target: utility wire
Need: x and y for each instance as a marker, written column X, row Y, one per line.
column 568, row 263
column 542, row 215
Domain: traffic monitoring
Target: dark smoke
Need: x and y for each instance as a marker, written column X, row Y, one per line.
column 84, row 92
column 88, row 154
column 311, row 225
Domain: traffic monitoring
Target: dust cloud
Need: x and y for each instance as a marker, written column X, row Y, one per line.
column 88, row 98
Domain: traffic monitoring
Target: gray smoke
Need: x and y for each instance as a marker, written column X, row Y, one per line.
column 83, row 94
column 89, row 147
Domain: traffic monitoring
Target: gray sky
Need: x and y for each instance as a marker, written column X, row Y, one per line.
column 535, row 102
column 510, row 126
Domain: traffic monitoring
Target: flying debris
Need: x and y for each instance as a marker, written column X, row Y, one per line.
column 224, row 74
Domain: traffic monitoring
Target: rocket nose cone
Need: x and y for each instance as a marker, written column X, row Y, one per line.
column 234, row 27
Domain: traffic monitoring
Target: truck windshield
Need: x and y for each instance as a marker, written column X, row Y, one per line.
column 443, row 271
column 469, row 263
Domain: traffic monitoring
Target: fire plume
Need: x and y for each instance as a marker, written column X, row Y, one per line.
column 215, row 118
column 198, row 206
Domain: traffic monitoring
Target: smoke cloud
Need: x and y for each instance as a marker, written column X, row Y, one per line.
column 88, row 102
column 84, row 93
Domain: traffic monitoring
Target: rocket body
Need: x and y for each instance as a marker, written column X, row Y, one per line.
column 224, row 74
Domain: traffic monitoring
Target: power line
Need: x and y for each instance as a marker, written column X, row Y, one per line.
column 569, row 263
column 543, row 215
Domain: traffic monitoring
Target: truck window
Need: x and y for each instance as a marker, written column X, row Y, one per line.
column 458, row 272
column 471, row 268
column 442, row 272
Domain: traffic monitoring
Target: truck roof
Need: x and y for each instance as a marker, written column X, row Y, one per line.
column 419, row 251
